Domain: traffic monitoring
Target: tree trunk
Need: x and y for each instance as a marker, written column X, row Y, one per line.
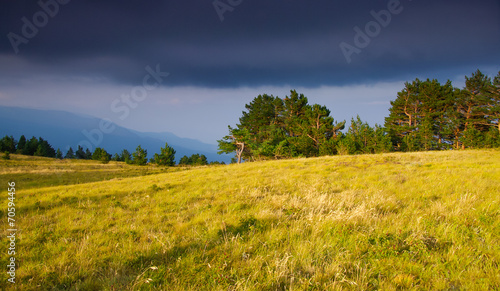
column 239, row 151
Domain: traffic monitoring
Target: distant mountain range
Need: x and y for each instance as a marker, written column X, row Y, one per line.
column 64, row 130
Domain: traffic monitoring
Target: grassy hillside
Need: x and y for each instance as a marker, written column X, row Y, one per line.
column 38, row 172
column 393, row 221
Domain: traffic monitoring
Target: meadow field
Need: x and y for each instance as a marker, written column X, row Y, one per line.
column 412, row 221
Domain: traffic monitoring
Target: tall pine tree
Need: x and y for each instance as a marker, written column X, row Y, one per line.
column 70, row 154
column 21, row 144
column 166, row 156
column 140, row 156
column 475, row 101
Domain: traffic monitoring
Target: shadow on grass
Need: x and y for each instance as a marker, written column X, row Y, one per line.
column 72, row 202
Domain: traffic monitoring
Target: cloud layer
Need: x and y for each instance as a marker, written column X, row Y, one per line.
column 259, row 42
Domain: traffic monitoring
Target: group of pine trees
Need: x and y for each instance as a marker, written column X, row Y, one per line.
column 40, row 147
column 282, row 128
column 426, row 115
column 197, row 160
column 194, row 160
column 80, row 154
column 32, row 147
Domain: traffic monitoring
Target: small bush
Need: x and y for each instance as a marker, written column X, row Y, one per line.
column 6, row 156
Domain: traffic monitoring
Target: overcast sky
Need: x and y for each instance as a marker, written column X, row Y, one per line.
column 213, row 57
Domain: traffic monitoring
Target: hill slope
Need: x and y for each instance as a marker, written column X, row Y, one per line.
column 392, row 221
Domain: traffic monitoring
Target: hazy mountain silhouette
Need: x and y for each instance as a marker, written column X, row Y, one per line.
column 64, row 129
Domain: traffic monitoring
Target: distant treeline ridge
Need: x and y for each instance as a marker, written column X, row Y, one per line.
column 40, row 147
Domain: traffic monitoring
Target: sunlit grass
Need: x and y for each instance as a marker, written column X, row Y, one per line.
column 392, row 221
column 37, row 172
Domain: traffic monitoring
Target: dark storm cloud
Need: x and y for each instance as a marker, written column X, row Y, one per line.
column 259, row 42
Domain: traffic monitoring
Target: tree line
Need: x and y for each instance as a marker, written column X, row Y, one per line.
column 40, row 147
column 425, row 115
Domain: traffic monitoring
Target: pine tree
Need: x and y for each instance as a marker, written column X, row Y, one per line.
column 184, row 161
column 88, row 154
column 236, row 141
column 80, row 154
column 317, row 126
column 8, row 144
column 70, row 154
column 203, row 160
column 475, row 101
column 382, row 141
column 140, row 156
column 493, row 110
column 39, row 151
column 402, row 120
column 364, row 139
column 346, row 145
column 44, row 149
column 31, row 147
column 472, row 137
column 436, row 99
column 59, row 154
column 259, row 125
column 116, row 158
column 294, row 108
column 166, row 156
column 197, row 160
column 21, row 144
column 492, row 138
column 126, row 157
column 101, row 155
column 453, row 121
column 426, row 134
column 361, row 134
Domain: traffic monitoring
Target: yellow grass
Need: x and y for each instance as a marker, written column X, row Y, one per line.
column 390, row 222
